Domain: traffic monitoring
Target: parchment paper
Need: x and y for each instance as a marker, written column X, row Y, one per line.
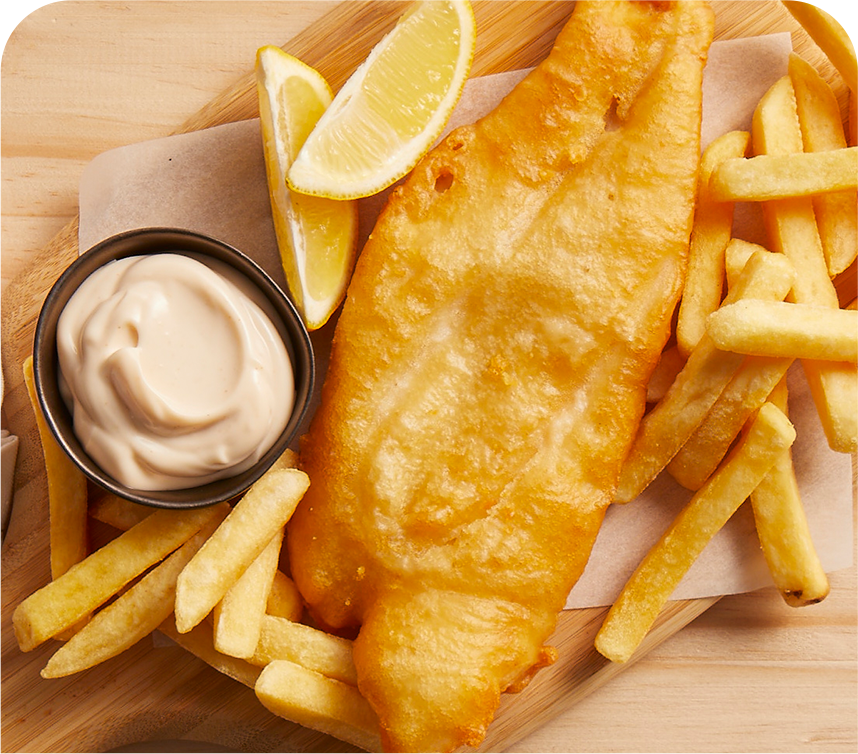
column 213, row 181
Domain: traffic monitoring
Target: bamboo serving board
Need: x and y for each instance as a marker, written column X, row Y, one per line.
column 156, row 690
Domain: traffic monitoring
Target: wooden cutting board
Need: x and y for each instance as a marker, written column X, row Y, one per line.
column 157, row 690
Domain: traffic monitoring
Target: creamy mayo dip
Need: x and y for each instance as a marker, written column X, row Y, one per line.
column 175, row 376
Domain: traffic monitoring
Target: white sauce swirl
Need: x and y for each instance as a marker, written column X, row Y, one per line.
column 175, row 376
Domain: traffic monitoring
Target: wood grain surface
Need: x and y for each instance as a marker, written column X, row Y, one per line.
column 79, row 78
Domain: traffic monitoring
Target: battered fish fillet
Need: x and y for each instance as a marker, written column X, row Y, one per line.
column 489, row 369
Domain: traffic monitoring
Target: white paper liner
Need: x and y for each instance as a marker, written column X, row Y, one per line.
column 213, row 181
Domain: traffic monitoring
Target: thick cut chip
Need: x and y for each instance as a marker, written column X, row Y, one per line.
column 765, row 177
column 117, row 512
column 90, row 583
column 325, row 653
column 746, row 392
column 238, row 616
column 660, row 572
column 831, row 37
column 665, row 429
column 133, row 615
column 791, row 222
column 822, row 130
column 736, row 257
column 238, row 541
column 779, row 328
column 783, row 530
column 792, row 230
column 669, row 365
column 285, row 600
column 710, row 234
column 199, row 641
column 318, row 702
column 67, row 495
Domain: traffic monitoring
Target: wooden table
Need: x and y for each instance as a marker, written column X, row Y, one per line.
column 79, row 78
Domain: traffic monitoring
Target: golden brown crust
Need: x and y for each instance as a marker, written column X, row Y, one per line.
column 489, row 370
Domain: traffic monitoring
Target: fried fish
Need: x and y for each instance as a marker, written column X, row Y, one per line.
column 489, row 370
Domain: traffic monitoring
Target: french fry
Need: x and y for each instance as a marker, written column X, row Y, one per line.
column 736, row 257
column 117, row 512
column 325, row 653
column 831, row 37
column 238, row 616
column 792, row 230
column 67, row 495
column 752, row 384
column 318, row 702
column 133, row 615
column 783, row 530
column 665, row 429
column 791, row 223
column 255, row 519
column 766, row 177
column 199, row 641
column 669, row 365
column 778, row 328
column 710, row 234
column 822, row 130
column 834, row 387
column 289, row 460
column 658, row 575
column 285, row 600
column 101, row 575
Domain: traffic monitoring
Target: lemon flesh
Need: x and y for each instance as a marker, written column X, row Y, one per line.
column 393, row 107
column 316, row 236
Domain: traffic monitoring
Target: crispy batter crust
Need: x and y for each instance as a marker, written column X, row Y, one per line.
column 489, row 369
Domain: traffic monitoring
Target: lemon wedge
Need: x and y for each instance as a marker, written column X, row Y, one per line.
column 393, row 107
column 316, row 237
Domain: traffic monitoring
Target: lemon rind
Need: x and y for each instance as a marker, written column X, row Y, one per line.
column 304, row 178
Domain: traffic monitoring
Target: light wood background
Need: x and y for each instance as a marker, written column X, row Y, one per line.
column 79, row 78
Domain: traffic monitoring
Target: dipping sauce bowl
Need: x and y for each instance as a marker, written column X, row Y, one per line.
column 142, row 243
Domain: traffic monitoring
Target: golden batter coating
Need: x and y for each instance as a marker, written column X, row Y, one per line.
column 489, row 370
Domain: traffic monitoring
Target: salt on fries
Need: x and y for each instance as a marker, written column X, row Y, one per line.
column 804, row 175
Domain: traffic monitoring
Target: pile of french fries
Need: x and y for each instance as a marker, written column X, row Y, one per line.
column 719, row 421
column 210, row 578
